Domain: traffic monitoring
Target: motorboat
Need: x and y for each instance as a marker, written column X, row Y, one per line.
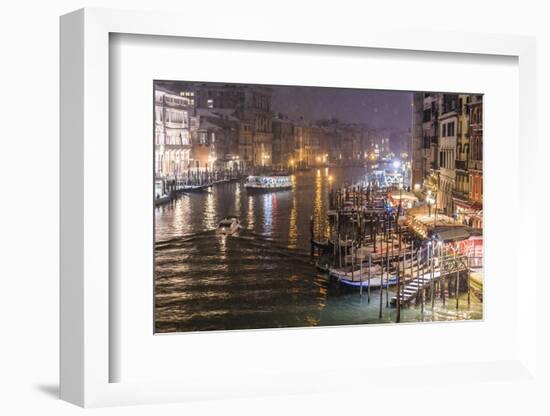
column 229, row 225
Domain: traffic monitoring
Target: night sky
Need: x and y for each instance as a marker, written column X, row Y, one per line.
column 378, row 109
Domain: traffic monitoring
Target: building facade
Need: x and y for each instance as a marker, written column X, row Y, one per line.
column 475, row 162
column 283, row 142
column 257, row 113
column 448, row 153
column 461, row 199
column 172, row 136
column 448, row 133
column 379, row 143
column 250, row 107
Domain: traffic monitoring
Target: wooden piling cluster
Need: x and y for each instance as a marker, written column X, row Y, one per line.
column 365, row 234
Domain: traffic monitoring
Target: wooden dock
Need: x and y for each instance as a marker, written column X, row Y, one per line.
column 443, row 273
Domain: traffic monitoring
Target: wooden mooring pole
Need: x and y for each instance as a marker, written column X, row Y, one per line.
column 457, row 283
column 368, row 277
column 398, row 271
column 381, row 279
column 468, row 283
column 361, row 275
column 432, row 276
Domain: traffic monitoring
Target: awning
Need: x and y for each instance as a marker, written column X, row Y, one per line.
column 452, row 234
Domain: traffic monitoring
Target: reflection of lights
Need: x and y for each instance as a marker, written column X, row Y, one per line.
column 330, row 178
column 223, row 246
column 317, row 206
column 238, row 199
column 267, row 214
column 396, row 164
column 210, row 212
column 293, row 223
column 250, row 216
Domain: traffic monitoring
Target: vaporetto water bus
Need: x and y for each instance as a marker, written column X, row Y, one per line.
column 268, row 183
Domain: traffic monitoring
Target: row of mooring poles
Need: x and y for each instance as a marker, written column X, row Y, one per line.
column 398, row 271
column 361, row 259
column 432, row 274
column 377, row 225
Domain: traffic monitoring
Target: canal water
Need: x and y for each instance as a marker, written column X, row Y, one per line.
column 263, row 277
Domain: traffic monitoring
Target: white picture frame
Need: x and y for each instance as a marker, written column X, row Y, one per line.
column 85, row 220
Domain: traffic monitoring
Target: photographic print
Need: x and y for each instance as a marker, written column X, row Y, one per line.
column 292, row 206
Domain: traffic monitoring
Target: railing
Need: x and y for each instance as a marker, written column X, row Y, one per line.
column 451, row 263
column 475, row 262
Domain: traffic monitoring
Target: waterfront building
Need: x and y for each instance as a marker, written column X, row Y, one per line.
column 257, row 113
column 250, row 105
column 245, row 150
column 475, row 161
column 426, row 141
column 283, row 142
column 172, row 137
column 215, row 141
column 300, row 136
column 448, row 133
column 461, row 198
column 379, row 142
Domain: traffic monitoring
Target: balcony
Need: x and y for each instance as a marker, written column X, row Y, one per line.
column 175, row 125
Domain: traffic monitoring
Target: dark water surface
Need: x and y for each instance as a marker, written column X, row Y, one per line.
column 262, row 278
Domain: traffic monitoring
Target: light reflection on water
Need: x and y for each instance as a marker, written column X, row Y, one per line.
column 262, row 278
